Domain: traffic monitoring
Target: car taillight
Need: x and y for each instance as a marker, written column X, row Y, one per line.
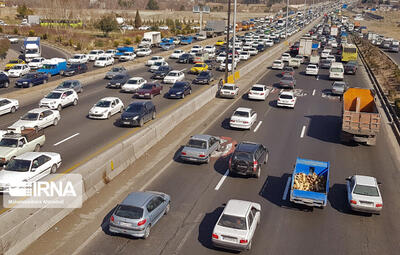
column 232, row 120
column 378, row 205
column 353, row 202
column 255, row 163
column 183, row 153
column 112, row 218
column 243, row 241
column 292, row 100
column 215, row 236
column 262, row 94
column 142, row 222
column 202, row 156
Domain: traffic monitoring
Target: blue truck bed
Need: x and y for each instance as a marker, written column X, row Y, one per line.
column 310, row 198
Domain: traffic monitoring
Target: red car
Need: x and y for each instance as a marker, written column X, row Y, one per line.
column 149, row 90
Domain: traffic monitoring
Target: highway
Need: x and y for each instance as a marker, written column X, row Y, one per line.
column 198, row 192
column 395, row 56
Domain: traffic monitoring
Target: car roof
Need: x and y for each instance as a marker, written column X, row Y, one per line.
column 243, row 109
column 365, row 180
column 201, row 137
column 287, row 92
column 258, row 85
column 137, row 199
column 62, row 90
column 247, row 147
column 237, row 207
column 29, row 155
column 38, row 110
column 108, row 98
column 136, row 78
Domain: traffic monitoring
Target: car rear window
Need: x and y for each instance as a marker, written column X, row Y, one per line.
column 242, row 156
column 235, row 222
column 286, row 96
column 241, row 114
column 257, row 89
column 366, row 190
column 200, row 144
column 130, row 212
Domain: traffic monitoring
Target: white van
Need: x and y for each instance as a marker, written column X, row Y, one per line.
column 336, row 72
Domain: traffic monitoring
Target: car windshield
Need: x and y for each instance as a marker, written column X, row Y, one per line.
column 13, row 62
column 28, row 76
column 65, row 84
column 127, row 53
column 134, row 108
column 231, row 221
column 203, row 74
column 285, row 96
column 179, row 85
column 147, row 86
column 158, row 63
column 17, row 67
column 102, row 58
column 116, row 70
column 366, row 190
column 198, row 65
column 30, row 116
column 311, row 67
column 155, row 58
column 4, row 102
column 336, row 70
column 134, row 81
column 18, row 165
column 241, row 114
column 228, row 87
column 130, row 212
column 200, row 144
column 54, row 95
column 177, row 51
column 173, row 74
column 77, row 56
column 103, row 103
column 8, row 142
column 118, row 77
column 257, row 89
column 36, row 60
column 287, row 78
column 277, row 62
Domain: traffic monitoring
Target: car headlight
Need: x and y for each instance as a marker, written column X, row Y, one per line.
column 180, row 92
column 136, row 117
column 117, row 83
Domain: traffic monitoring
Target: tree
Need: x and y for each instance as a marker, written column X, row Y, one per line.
column 107, row 24
column 4, row 46
column 23, row 11
column 152, row 5
column 182, row 8
column 138, row 20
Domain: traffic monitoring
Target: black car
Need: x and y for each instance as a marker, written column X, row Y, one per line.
column 74, row 69
column 161, row 72
column 277, row 40
column 247, row 159
column 118, row 80
column 138, row 113
column 204, row 77
column 4, row 80
column 186, row 58
column 325, row 64
column 350, row 67
column 294, row 50
column 179, row 90
column 31, row 79
column 260, row 47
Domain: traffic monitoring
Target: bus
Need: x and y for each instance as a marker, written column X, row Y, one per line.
column 349, row 52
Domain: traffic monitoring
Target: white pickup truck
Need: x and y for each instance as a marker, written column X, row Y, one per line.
column 13, row 144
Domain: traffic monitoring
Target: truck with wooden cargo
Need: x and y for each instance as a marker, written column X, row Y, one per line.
column 361, row 120
column 305, row 47
column 214, row 28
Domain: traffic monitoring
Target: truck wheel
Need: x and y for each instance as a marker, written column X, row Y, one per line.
column 37, row 147
column 54, row 169
column 13, row 109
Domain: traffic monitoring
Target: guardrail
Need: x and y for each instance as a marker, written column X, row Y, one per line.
column 373, row 16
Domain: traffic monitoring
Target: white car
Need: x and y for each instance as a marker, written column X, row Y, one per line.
column 127, row 56
column 253, row 51
column 285, row 57
column 174, row 76
column 36, row 63
column 28, row 167
column 13, row 39
column 363, row 194
column 154, row 59
column 243, row 118
column 106, row 107
column 222, row 65
column 221, row 57
column 194, row 52
column 247, row 46
column 8, row 105
column 143, row 52
column 229, row 90
column 331, row 58
column 286, row 99
column 104, row 61
column 37, row 118
column 59, row 98
column 197, row 47
column 209, row 48
column 325, row 53
column 110, row 53
column 176, row 54
column 300, row 58
column 258, row 92
column 95, row 54
column 78, row 59
column 163, row 27
column 278, row 64
column 244, row 55
column 144, row 28
column 269, row 43
column 312, row 69
column 236, row 225
column 133, row 84
column 157, row 64
column 18, row 70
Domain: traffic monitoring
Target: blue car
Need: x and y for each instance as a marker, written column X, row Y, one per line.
column 31, row 79
column 179, row 90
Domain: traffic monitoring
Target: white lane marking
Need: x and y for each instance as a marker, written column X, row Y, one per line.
column 183, row 241
column 286, row 188
column 258, row 125
column 82, row 246
column 317, row 77
column 66, row 139
column 303, row 131
column 222, row 180
column 313, row 93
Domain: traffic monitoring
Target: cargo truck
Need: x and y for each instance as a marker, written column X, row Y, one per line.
column 54, row 66
column 361, row 120
column 334, row 31
column 150, row 39
column 122, row 50
column 214, row 28
column 314, row 58
column 305, row 47
column 32, row 48
column 310, row 183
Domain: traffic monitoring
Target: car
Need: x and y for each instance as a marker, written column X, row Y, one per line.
column 244, row 55
column 363, row 194
column 197, row 47
column 71, row 84
column 278, row 64
column 168, row 46
column 179, row 90
column 269, row 43
column 221, row 57
column 154, row 59
column 37, row 118
column 110, row 53
column 133, row 84
column 4, row 80
column 331, row 58
column 13, row 39
column 138, row 213
column 198, row 67
column 286, row 99
column 300, row 58
column 209, row 49
column 229, row 90
column 350, row 67
column 78, row 59
column 325, row 53
column 222, row 65
column 104, row 61
column 149, row 90
column 176, row 54
column 31, row 79
column 127, row 56
column 174, row 76
column 200, row 148
column 161, row 72
column 8, row 105
column 287, row 81
column 243, row 118
column 338, row 88
column 220, row 43
column 95, row 54
column 325, row 64
column 76, row 68
column 252, row 51
column 138, row 113
column 294, row 49
column 106, row 107
column 36, row 63
column 294, row 62
column 118, row 80
column 258, row 92
column 144, row 28
column 204, row 77
column 312, row 69
column 260, row 47
column 29, row 167
column 18, row 70
column 12, row 63
column 57, row 99
column 186, row 58
column 116, row 70
column 248, row 158
column 157, row 65
column 393, row 48
column 142, row 52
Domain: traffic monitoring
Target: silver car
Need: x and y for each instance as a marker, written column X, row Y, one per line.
column 116, row 71
column 139, row 212
column 236, row 226
column 199, row 148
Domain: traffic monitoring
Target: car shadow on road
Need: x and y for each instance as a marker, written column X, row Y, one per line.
column 324, row 77
column 326, row 128
column 225, row 124
column 221, row 164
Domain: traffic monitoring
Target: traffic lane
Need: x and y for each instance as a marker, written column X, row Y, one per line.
column 395, row 56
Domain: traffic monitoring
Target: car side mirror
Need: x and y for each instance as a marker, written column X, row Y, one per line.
column 379, row 183
column 40, row 118
column 236, row 145
column 348, row 179
column 33, row 169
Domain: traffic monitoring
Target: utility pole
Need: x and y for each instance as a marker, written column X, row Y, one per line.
column 234, row 39
column 305, row 10
column 227, row 41
column 287, row 17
